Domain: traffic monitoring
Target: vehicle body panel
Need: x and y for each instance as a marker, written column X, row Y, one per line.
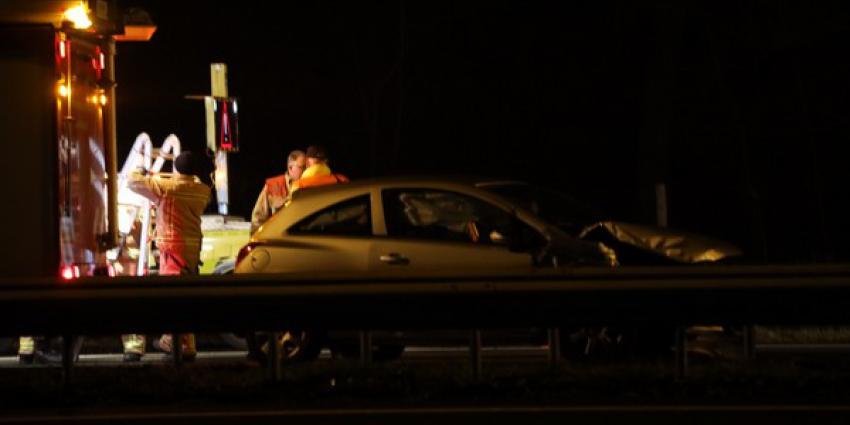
column 55, row 133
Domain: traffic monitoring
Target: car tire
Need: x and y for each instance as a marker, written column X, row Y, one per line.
column 294, row 345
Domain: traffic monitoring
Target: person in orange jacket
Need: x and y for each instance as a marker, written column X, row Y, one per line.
column 277, row 189
column 318, row 173
column 180, row 199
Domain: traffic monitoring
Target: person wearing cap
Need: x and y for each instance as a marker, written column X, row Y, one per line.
column 277, row 189
column 180, row 199
column 318, row 173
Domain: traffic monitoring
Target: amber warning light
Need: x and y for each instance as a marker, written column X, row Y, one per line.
column 78, row 16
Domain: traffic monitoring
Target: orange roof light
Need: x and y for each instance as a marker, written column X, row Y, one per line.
column 79, row 16
column 136, row 33
column 138, row 26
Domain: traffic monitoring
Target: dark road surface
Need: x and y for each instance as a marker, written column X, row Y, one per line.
column 659, row 415
column 482, row 412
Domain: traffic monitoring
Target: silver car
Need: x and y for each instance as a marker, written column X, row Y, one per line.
column 409, row 225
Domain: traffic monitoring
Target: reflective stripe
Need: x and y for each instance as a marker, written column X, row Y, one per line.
column 26, row 345
column 133, row 343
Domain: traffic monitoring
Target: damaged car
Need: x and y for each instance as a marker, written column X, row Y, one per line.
column 634, row 244
column 419, row 224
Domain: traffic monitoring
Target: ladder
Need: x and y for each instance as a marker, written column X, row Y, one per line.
column 132, row 206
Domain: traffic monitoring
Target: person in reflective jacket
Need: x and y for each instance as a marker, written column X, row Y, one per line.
column 276, row 190
column 318, row 173
column 180, row 199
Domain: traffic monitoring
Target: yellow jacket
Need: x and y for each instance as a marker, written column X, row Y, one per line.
column 318, row 174
column 318, row 169
column 180, row 200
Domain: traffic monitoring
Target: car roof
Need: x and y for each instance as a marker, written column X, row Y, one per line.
column 357, row 186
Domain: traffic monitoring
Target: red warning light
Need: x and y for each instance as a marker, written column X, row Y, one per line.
column 70, row 272
column 227, row 125
column 62, row 48
column 98, row 62
column 226, row 143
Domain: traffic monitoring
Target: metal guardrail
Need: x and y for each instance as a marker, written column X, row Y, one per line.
column 647, row 296
column 683, row 296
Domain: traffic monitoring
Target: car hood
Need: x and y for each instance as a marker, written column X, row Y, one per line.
column 678, row 246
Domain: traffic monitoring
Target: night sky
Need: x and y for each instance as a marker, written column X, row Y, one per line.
column 741, row 108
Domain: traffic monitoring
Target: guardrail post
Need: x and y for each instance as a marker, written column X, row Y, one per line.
column 554, row 339
column 67, row 361
column 365, row 347
column 475, row 353
column 681, row 352
column 749, row 342
column 274, row 358
column 177, row 349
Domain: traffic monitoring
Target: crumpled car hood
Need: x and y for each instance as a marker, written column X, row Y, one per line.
column 676, row 245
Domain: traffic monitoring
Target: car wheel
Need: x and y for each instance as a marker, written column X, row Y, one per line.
column 293, row 345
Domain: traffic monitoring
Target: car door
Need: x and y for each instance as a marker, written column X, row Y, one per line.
column 335, row 239
column 428, row 229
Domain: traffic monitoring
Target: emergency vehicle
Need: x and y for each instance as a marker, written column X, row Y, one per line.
column 57, row 100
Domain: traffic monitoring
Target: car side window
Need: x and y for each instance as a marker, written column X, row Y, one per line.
column 444, row 216
column 352, row 217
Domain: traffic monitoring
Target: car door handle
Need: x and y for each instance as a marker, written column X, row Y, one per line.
column 395, row 259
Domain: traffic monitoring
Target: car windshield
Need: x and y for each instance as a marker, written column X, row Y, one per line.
column 556, row 208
